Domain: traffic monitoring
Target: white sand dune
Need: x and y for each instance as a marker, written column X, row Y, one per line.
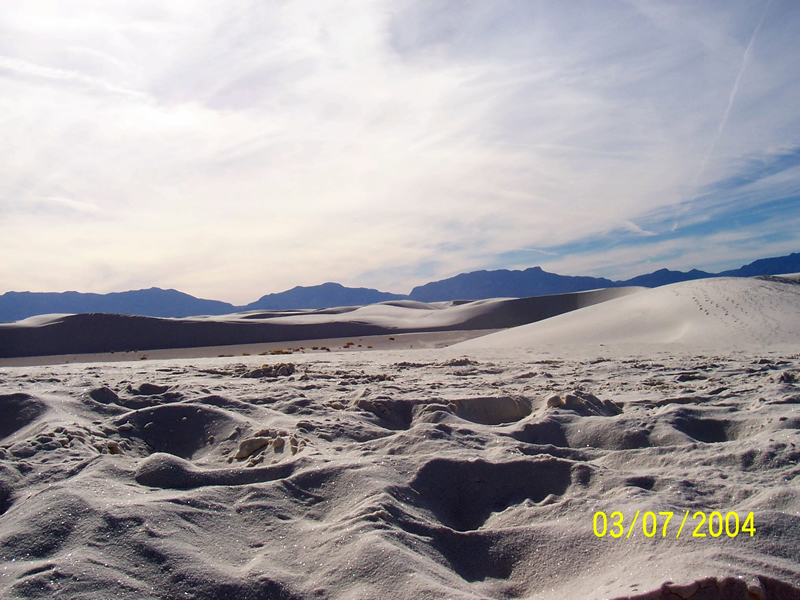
column 420, row 474
column 706, row 314
column 411, row 315
column 98, row 333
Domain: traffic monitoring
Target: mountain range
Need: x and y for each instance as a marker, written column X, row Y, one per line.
column 477, row 285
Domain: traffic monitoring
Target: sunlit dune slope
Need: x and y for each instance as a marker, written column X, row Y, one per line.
column 707, row 313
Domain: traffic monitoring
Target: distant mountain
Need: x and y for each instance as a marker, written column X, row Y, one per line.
column 326, row 295
column 154, row 302
column 505, row 284
column 477, row 285
column 767, row 266
column 665, row 277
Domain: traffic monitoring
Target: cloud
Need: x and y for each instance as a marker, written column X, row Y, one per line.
column 28, row 69
column 236, row 150
column 68, row 204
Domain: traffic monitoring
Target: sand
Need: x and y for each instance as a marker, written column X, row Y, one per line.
column 64, row 335
column 472, row 471
column 705, row 314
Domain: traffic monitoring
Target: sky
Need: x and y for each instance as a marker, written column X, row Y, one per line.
column 234, row 149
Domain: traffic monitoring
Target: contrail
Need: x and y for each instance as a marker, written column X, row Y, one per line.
column 726, row 114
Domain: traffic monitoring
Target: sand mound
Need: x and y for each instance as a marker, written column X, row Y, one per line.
column 726, row 588
column 8, row 478
column 18, row 410
column 162, row 470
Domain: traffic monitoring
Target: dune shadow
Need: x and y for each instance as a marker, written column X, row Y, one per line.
column 18, row 410
column 464, row 493
column 702, row 428
column 398, row 414
column 179, row 429
column 548, row 431
column 491, row 410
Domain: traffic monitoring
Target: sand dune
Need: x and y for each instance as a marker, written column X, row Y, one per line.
column 706, row 314
column 93, row 333
column 459, row 472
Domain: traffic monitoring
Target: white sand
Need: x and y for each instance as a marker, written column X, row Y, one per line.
column 421, row 473
column 65, row 335
column 707, row 314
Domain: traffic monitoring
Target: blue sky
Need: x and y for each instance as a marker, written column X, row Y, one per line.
column 235, row 149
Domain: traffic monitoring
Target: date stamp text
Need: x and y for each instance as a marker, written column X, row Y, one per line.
column 654, row 524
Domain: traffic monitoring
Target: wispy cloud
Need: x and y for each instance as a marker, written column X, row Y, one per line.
column 27, row 69
column 75, row 206
column 238, row 149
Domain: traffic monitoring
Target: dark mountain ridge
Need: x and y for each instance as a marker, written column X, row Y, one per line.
column 477, row 285
column 536, row 282
column 326, row 295
column 153, row 302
